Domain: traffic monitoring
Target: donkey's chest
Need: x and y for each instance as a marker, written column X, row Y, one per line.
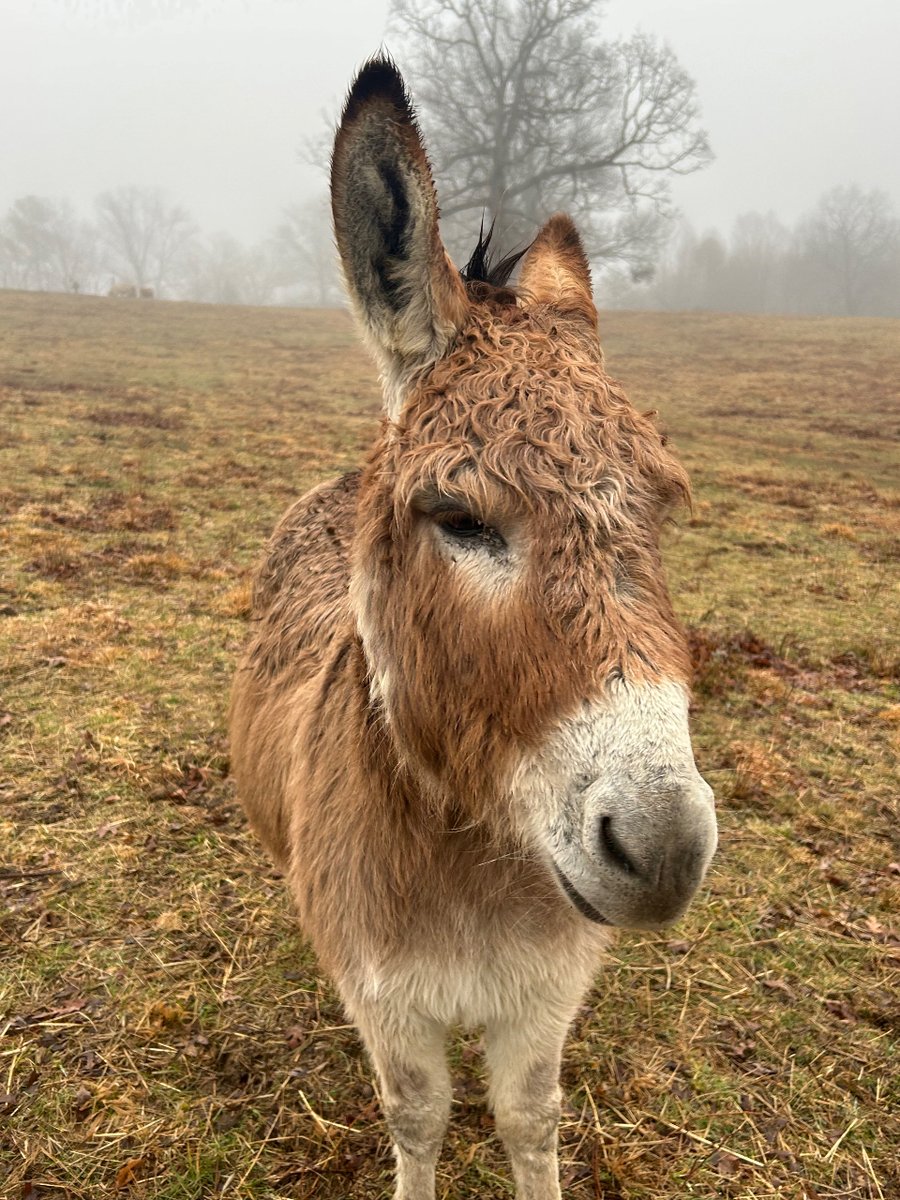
column 477, row 976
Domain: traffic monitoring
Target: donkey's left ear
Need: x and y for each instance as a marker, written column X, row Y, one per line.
column 404, row 288
column 556, row 272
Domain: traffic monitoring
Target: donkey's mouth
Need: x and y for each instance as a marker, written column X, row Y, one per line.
column 584, row 907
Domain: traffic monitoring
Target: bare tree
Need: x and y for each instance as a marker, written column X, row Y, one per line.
column 844, row 258
column 528, row 111
column 692, row 274
column 146, row 238
column 756, row 263
column 221, row 270
column 303, row 247
column 45, row 247
column 849, row 250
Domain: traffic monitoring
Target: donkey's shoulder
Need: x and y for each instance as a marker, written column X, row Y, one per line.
column 300, row 590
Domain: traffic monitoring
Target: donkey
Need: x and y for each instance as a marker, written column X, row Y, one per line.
column 461, row 724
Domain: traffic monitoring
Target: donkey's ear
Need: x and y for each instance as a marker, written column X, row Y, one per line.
column 404, row 288
column 555, row 271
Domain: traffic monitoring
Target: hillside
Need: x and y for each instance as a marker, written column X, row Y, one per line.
column 162, row 1027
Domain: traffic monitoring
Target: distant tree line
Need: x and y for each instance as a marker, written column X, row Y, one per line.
column 140, row 242
column 842, row 258
column 527, row 109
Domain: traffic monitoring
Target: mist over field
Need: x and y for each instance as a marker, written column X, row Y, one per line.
column 183, row 145
column 162, row 1008
column 178, row 366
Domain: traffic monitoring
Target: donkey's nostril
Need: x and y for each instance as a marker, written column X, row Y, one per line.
column 613, row 850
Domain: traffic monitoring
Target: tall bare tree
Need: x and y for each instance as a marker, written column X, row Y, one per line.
column 303, row 247
column 527, row 110
column 756, row 263
column 45, row 247
column 220, row 270
column 145, row 237
column 850, row 250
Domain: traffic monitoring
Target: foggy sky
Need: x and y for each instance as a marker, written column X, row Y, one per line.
column 212, row 99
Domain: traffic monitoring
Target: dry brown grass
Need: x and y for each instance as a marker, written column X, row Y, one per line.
column 164, row 1032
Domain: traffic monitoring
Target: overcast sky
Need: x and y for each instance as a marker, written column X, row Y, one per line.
column 212, row 99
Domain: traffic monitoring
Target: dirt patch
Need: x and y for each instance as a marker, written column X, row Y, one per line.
column 763, row 411
column 886, row 550
column 155, row 418
column 721, row 659
column 864, row 432
column 56, row 564
column 114, row 511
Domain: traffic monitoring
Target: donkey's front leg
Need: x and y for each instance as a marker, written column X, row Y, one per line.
column 409, row 1056
column 523, row 1057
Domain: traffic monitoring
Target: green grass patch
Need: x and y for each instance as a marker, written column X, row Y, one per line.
column 164, row 1031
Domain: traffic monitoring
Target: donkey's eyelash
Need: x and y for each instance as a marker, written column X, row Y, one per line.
column 450, row 515
column 463, row 526
column 433, row 502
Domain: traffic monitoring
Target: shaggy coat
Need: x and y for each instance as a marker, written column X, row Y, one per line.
column 460, row 724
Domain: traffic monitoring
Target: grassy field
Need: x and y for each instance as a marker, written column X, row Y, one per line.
column 163, row 1032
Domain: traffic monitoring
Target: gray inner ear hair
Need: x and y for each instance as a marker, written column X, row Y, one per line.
column 377, row 203
column 394, row 228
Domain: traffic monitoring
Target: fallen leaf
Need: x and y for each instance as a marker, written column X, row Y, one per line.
column 831, row 875
column 169, row 922
column 81, row 1105
column 50, row 1014
column 294, row 1035
column 726, row 1164
column 226, row 1120
column 840, row 1009
column 678, row 947
column 771, row 1130
column 779, row 985
column 162, row 1013
column 127, row 1174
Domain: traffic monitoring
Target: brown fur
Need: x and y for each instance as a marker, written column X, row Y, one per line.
column 567, row 459
column 390, row 689
column 334, row 794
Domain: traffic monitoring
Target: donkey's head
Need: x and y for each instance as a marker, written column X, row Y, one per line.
column 507, row 580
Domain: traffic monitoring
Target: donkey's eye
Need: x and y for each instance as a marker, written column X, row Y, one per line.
column 462, row 526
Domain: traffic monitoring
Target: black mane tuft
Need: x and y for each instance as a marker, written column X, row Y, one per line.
column 481, row 267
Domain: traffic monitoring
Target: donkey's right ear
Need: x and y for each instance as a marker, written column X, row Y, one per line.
column 403, row 285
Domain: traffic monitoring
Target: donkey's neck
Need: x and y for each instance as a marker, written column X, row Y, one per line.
column 443, row 841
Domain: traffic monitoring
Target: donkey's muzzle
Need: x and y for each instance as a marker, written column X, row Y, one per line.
column 648, row 853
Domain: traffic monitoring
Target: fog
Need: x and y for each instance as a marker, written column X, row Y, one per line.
column 212, row 101
column 799, row 96
column 209, row 100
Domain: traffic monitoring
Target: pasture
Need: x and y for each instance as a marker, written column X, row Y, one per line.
column 163, row 1031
